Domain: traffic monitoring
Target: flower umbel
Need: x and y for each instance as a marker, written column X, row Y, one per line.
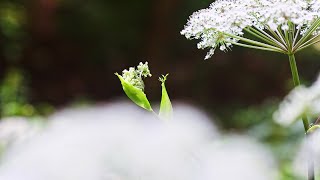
column 284, row 26
column 134, row 76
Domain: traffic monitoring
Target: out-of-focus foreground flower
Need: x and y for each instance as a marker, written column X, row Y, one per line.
column 301, row 100
column 309, row 153
column 119, row 142
column 16, row 130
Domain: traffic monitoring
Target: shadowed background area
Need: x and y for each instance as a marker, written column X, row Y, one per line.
column 57, row 52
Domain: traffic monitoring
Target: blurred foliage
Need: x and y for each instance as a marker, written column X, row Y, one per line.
column 14, row 97
column 104, row 28
column 12, row 27
column 13, row 93
column 286, row 172
column 257, row 122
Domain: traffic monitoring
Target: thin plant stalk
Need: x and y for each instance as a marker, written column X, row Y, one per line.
column 268, row 36
column 265, row 38
column 312, row 43
column 305, row 121
column 296, row 81
column 252, row 46
column 256, row 43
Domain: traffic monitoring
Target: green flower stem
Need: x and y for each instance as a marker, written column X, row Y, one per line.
column 252, row 42
column 261, row 37
column 265, row 38
column 289, row 35
column 296, row 36
column 253, row 47
column 294, row 70
column 286, row 34
column 276, row 36
column 300, row 48
column 255, row 43
column 268, row 36
column 305, row 45
column 295, row 76
column 309, row 41
column 291, row 31
column 282, row 38
column 309, row 32
column 296, row 81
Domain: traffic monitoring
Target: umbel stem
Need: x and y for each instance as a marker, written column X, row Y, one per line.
column 296, row 81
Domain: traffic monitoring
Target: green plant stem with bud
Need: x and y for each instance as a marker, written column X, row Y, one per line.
column 133, row 86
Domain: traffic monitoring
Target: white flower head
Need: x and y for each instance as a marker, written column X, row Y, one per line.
column 134, row 76
column 224, row 23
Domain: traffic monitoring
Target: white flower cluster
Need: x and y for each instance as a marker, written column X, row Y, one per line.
column 275, row 13
column 224, row 21
column 134, row 76
column 301, row 100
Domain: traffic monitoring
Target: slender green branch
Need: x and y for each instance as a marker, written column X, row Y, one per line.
column 287, row 39
column 303, row 47
column 305, row 121
column 296, row 81
column 309, row 32
column 310, row 40
column 296, row 36
column 253, row 47
column 256, row 43
column 291, row 32
column 262, row 37
column 275, row 35
column 289, row 35
column 307, row 44
column 268, row 36
column 282, row 38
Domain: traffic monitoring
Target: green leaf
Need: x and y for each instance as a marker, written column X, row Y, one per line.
column 165, row 105
column 135, row 94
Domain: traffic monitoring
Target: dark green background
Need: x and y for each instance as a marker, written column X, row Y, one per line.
column 68, row 50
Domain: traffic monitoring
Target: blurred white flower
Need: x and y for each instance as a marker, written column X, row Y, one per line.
column 121, row 142
column 309, row 152
column 301, row 100
column 15, row 130
column 236, row 157
column 225, row 21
